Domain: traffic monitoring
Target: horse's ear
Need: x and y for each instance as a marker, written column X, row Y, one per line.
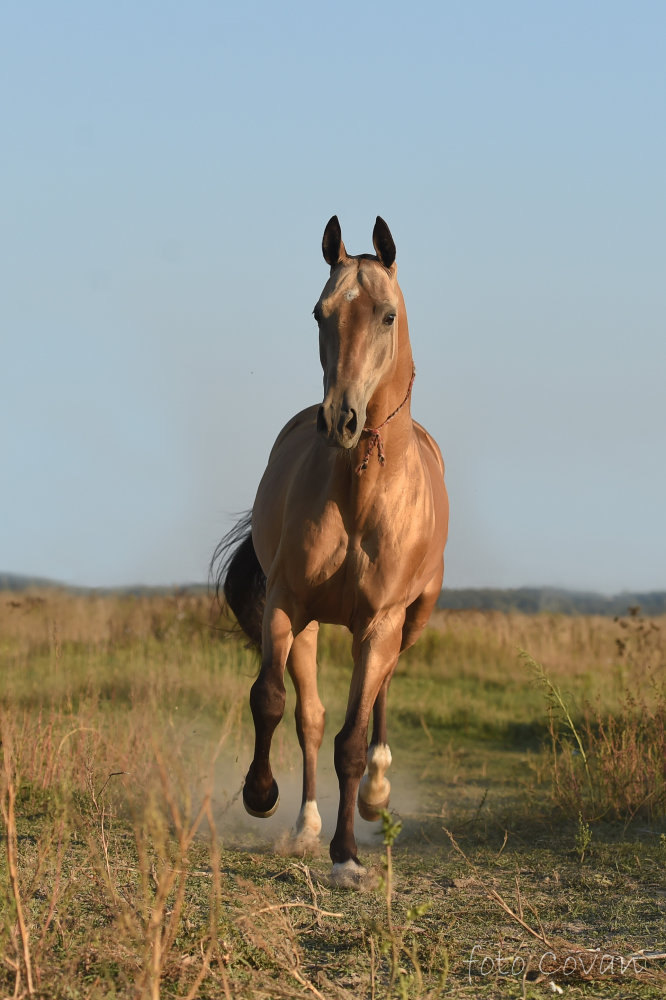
column 383, row 243
column 331, row 245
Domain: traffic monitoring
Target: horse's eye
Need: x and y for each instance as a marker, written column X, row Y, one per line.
column 389, row 318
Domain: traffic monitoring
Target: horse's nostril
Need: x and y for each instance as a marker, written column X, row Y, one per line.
column 351, row 422
column 321, row 421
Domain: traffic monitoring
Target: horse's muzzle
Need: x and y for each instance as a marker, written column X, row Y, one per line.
column 340, row 428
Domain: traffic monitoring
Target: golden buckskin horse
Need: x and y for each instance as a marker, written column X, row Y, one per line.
column 348, row 527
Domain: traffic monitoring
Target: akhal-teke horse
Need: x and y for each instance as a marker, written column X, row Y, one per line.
column 348, row 527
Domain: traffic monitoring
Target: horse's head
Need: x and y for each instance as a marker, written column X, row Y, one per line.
column 358, row 315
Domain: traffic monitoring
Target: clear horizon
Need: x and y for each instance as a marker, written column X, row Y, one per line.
column 168, row 172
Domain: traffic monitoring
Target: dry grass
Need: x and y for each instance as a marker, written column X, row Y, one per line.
column 120, row 877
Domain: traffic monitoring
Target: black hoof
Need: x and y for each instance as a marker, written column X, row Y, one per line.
column 262, row 808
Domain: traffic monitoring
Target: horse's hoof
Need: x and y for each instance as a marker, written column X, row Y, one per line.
column 378, row 798
column 262, row 810
column 352, row 875
column 371, row 813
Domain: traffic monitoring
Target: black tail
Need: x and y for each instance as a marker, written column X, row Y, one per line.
column 237, row 573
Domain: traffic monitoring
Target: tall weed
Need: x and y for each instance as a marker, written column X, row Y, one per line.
column 612, row 764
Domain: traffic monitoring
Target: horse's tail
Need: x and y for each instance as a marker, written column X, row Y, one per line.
column 238, row 575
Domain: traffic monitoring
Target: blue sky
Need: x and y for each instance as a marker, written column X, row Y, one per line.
column 167, row 171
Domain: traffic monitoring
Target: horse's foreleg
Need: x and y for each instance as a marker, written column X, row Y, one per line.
column 375, row 788
column 267, row 698
column 302, row 667
column 375, row 655
column 419, row 611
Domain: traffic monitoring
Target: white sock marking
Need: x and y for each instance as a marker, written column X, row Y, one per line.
column 375, row 788
column 309, row 820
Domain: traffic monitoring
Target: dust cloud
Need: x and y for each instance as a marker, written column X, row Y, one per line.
column 238, row 829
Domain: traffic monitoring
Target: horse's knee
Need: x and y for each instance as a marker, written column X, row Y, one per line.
column 310, row 721
column 267, row 699
column 350, row 752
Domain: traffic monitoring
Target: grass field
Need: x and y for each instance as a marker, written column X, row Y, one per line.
column 530, row 789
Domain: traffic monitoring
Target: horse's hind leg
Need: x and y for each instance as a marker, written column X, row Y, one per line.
column 375, row 788
column 267, row 698
column 302, row 667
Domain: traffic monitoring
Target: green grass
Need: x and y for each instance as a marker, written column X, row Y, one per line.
column 128, row 867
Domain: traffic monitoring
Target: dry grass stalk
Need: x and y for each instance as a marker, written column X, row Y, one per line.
column 8, row 806
column 213, row 946
column 162, row 925
column 480, row 883
column 276, row 936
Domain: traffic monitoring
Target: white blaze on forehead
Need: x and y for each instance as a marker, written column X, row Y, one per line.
column 346, row 282
column 344, row 285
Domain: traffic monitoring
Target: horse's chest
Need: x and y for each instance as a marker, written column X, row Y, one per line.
column 354, row 568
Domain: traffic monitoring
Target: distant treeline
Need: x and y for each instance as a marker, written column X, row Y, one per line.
column 532, row 600
column 14, row 581
column 529, row 600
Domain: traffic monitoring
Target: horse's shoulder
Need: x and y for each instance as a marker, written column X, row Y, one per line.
column 429, row 442
column 302, row 421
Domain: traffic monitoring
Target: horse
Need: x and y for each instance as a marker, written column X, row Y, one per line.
column 348, row 527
